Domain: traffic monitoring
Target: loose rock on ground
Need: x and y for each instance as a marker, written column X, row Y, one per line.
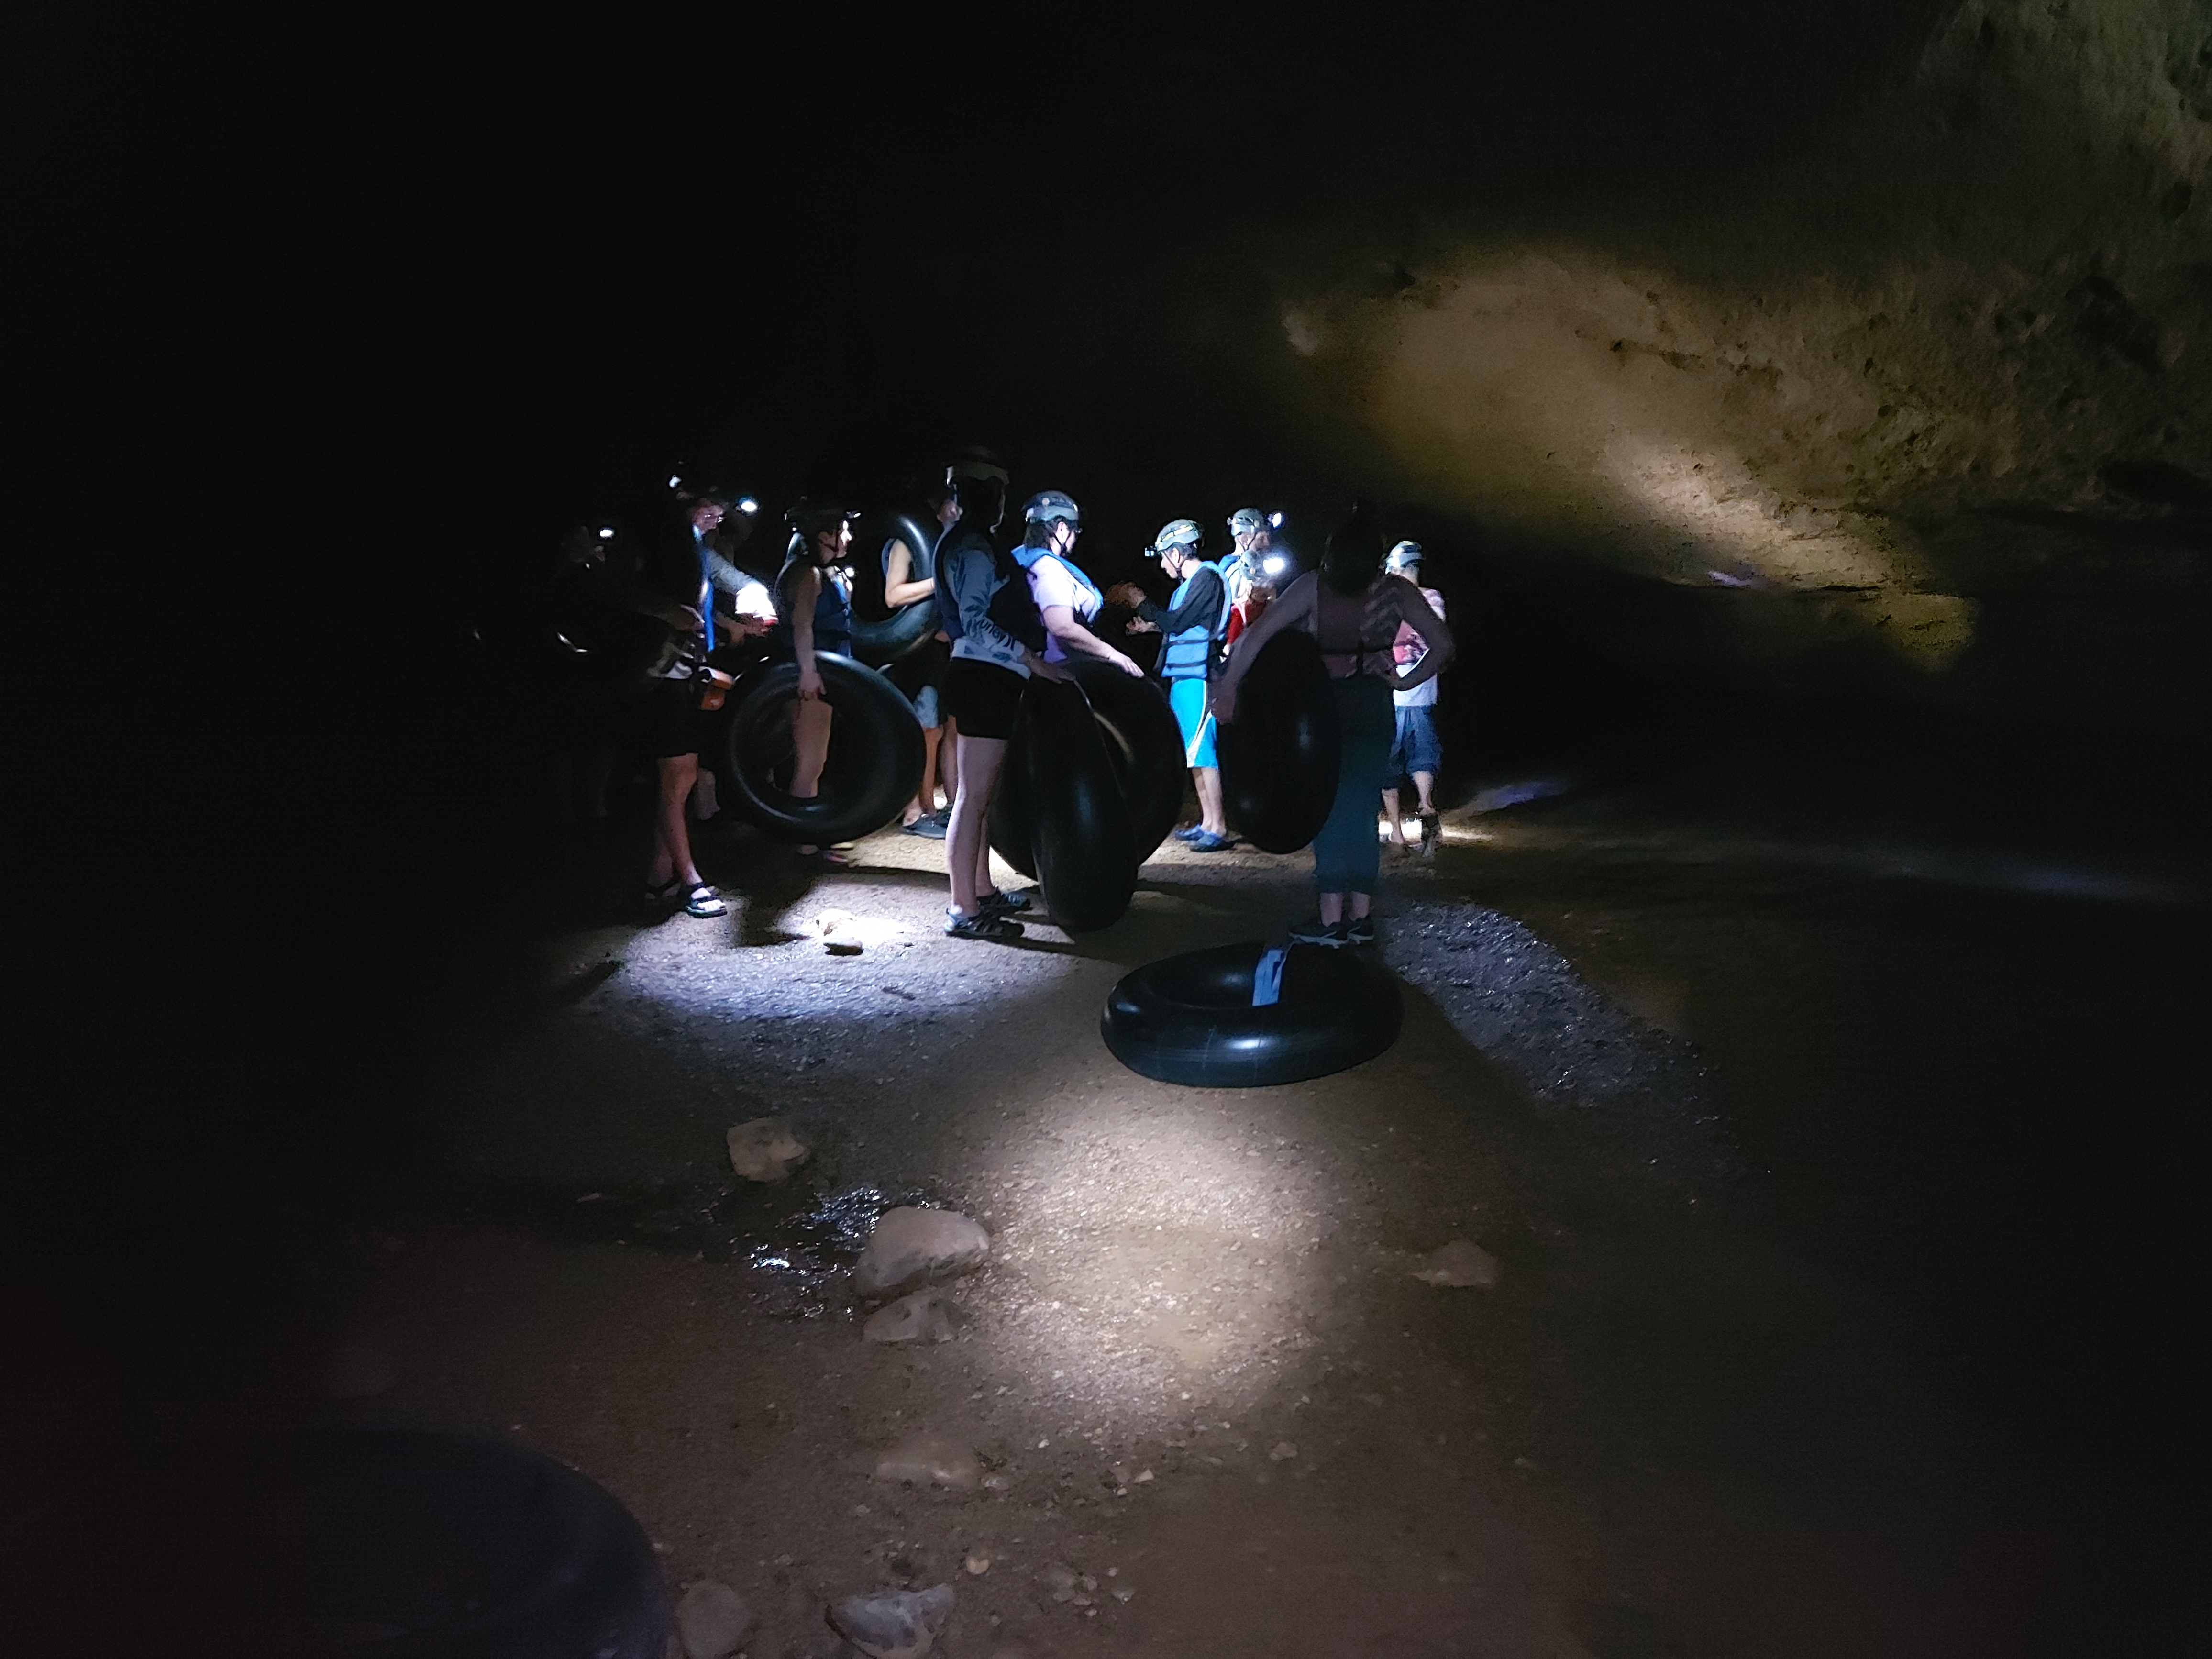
column 911, row 1248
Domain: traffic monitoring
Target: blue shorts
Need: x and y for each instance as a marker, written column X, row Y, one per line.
column 925, row 706
column 1188, row 699
column 1415, row 749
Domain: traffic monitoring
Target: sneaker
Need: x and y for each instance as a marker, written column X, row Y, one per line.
column 1190, row 832
column 1002, row 905
column 1361, row 932
column 1330, row 933
column 930, row 826
column 1206, row 841
column 986, row 926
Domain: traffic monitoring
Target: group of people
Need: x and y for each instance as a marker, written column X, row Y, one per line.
column 1008, row 613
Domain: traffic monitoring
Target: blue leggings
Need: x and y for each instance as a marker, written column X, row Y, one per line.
column 1346, row 855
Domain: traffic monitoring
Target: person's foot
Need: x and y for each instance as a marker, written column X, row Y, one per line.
column 930, row 826
column 1190, row 832
column 1431, row 827
column 984, row 926
column 1330, row 933
column 659, row 896
column 1002, row 905
column 1359, row 930
column 1206, row 841
column 702, row 901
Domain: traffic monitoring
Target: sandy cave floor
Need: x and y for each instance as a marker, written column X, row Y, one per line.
column 1703, row 1413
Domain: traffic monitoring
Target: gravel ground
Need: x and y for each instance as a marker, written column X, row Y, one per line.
column 1214, row 1411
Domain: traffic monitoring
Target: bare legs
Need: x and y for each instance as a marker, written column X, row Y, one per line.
column 810, row 737
column 925, row 799
column 967, row 839
column 1208, row 781
column 671, row 836
column 1334, row 908
column 1397, row 825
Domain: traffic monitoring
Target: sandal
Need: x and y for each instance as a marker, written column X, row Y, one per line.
column 997, row 903
column 660, row 898
column 702, row 901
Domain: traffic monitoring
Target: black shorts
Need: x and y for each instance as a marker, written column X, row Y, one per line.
column 983, row 698
column 667, row 720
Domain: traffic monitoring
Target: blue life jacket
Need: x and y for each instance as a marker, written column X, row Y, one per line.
column 833, row 613
column 1189, row 654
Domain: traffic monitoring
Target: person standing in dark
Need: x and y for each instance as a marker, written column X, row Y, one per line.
column 1193, row 629
column 815, row 615
column 998, row 642
column 1354, row 608
column 921, row 675
column 677, row 586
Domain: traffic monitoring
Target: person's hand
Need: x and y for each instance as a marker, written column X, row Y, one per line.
column 1222, row 699
column 1127, row 665
column 810, row 684
column 684, row 619
column 1138, row 625
column 1128, row 595
column 754, row 628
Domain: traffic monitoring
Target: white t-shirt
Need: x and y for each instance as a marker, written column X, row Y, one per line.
column 1053, row 583
column 1423, row 696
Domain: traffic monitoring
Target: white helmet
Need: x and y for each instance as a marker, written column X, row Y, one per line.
column 1177, row 532
column 1406, row 556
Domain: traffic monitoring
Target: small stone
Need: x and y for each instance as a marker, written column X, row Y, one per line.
column 1059, row 1578
column 1143, row 1475
column 842, row 947
column 893, row 1624
column 712, row 1621
column 977, row 1564
column 1125, row 1594
column 910, row 1248
column 766, row 1148
column 931, row 1460
column 1458, row 1263
column 1283, row 1451
column 923, row 1317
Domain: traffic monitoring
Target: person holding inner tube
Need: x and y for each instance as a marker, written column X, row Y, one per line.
column 1354, row 608
column 1065, row 597
column 1193, row 625
column 816, row 616
column 998, row 643
column 1415, row 753
column 921, row 675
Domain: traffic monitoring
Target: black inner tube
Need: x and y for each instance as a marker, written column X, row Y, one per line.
column 874, row 764
column 1079, row 832
column 1279, row 758
column 1189, row 1018
column 882, row 635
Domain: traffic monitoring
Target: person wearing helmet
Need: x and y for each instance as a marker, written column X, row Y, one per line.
column 1193, row 626
column 1415, row 753
column 1354, row 608
column 1065, row 597
column 816, row 616
column 998, row 643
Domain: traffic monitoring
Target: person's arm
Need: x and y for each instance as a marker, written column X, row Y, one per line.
column 1200, row 607
column 1414, row 610
column 1294, row 605
column 1060, row 622
column 970, row 573
column 899, row 586
column 805, row 588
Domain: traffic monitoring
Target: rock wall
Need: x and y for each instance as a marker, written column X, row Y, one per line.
column 1959, row 352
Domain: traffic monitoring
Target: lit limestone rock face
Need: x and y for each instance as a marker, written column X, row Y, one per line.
column 1963, row 350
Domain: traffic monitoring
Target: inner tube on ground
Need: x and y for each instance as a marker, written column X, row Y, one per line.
column 1190, row 1019
column 876, row 752
column 1146, row 745
column 1280, row 757
column 433, row 1545
column 1086, row 855
column 882, row 635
